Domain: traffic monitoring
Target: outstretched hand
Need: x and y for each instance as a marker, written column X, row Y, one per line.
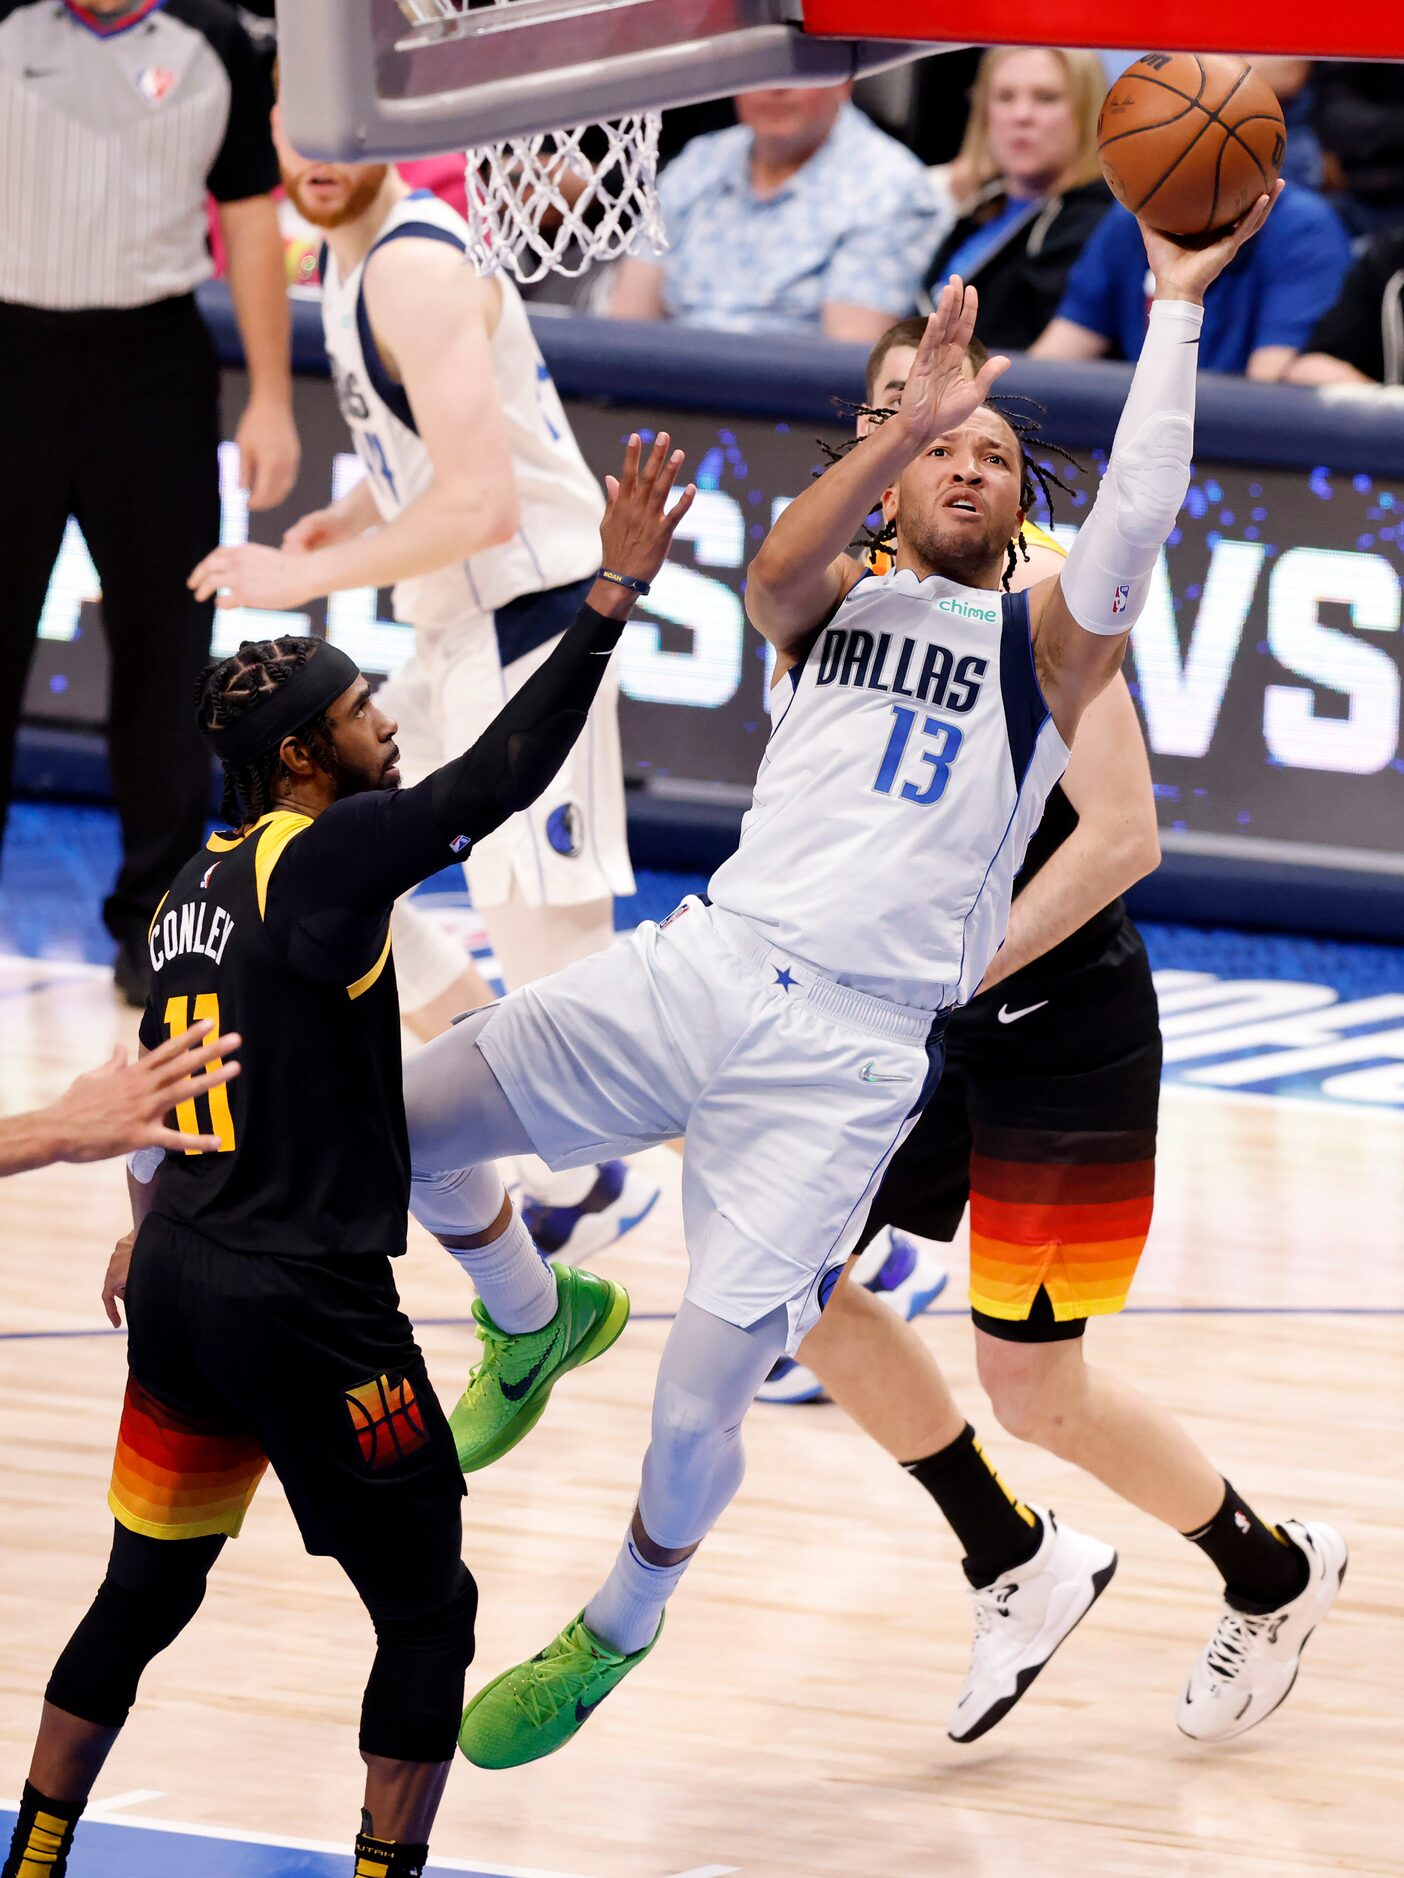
column 1184, row 267
column 123, row 1106
column 638, row 526
column 938, row 395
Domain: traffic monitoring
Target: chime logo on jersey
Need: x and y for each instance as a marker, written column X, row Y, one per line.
column 156, row 82
column 565, row 830
column 850, row 656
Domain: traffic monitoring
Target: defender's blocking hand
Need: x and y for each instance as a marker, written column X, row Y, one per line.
column 638, row 526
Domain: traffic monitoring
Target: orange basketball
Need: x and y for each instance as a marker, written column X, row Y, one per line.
column 1190, row 140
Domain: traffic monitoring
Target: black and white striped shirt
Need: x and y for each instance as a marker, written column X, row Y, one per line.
column 112, row 130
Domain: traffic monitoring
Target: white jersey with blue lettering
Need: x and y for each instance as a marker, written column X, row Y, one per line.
column 557, row 541
column 899, row 789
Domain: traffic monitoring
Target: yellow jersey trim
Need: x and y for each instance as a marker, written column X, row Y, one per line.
column 278, row 829
column 157, row 914
column 367, row 979
column 1037, row 537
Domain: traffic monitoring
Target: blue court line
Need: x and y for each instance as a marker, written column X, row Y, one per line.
column 111, row 1848
column 666, row 1317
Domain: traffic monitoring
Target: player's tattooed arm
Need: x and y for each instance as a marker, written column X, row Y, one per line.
column 802, row 570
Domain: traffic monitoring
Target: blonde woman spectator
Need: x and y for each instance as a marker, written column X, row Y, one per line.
column 1026, row 188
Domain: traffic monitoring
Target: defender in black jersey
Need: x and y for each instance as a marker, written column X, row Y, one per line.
column 263, row 1320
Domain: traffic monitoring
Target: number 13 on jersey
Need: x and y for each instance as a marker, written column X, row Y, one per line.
column 177, row 1019
column 946, row 741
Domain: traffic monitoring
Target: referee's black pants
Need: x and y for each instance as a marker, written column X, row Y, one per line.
column 112, row 416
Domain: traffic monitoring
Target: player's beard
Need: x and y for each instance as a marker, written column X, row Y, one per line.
column 363, row 193
column 954, row 553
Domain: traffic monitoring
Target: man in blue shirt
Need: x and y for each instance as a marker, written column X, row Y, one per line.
column 804, row 217
column 1258, row 315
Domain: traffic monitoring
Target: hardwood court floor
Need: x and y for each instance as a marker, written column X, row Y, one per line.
column 792, row 1720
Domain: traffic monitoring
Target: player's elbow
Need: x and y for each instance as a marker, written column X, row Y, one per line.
column 490, row 516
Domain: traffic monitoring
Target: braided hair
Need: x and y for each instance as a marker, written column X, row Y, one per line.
column 229, row 689
column 1021, row 414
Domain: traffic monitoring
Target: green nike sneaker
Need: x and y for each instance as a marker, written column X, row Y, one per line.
column 532, row 1710
column 508, row 1391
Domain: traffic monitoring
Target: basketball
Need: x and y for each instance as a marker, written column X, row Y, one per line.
column 1190, row 140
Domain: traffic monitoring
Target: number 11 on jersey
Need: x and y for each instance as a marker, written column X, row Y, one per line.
column 178, row 1019
column 947, row 745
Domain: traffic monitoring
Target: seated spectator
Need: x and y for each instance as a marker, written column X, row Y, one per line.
column 1258, row 315
column 804, row 217
column 1359, row 117
column 1028, row 188
column 1360, row 340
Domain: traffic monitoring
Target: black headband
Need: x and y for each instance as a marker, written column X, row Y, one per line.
column 317, row 682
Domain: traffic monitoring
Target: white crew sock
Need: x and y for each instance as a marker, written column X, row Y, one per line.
column 568, row 1188
column 513, row 1280
column 626, row 1610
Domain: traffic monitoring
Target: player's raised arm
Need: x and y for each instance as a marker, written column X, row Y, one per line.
column 1081, row 617
column 331, row 890
column 802, row 570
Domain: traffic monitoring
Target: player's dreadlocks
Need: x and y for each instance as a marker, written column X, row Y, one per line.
column 1021, row 414
column 229, row 689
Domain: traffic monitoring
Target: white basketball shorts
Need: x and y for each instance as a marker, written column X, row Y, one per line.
column 571, row 846
column 793, row 1093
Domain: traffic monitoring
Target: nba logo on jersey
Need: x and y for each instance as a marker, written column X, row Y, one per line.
column 155, row 83
column 1120, row 598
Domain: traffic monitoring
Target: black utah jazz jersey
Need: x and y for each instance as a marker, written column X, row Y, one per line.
column 314, row 1158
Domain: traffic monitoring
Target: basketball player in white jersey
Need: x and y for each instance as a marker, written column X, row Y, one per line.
column 479, row 509
column 1044, row 1123
column 929, row 718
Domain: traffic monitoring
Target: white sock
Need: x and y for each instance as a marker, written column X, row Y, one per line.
column 626, row 1610
column 568, row 1188
column 513, row 1280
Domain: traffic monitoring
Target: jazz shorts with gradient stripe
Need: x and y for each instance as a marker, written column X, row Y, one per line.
column 236, row 1361
column 1045, row 1122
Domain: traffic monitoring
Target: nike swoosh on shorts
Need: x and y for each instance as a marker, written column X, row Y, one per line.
column 1006, row 1016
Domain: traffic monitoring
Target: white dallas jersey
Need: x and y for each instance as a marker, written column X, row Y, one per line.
column 899, row 789
column 558, row 540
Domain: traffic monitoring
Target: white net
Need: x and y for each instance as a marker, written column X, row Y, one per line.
column 557, row 202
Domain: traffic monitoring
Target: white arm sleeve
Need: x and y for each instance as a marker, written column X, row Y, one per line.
column 1109, row 566
column 143, row 1164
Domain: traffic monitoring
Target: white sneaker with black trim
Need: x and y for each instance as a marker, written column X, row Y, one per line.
column 1021, row 1619
column 1251, row 1661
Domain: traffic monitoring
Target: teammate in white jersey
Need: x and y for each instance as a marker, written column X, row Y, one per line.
column 930, row 716
column 479, row 509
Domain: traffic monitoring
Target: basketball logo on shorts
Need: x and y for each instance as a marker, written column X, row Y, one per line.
column 565, row 830
column 388, row 1420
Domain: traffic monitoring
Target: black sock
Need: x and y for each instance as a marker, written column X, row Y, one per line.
column 997, row 1531
column 1260, row 1568
column 387, row 1858
column 43, row 1836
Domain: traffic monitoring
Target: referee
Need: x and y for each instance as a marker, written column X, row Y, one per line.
column 116, row 121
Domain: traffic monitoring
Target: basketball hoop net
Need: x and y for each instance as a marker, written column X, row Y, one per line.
column 540, row 205
column 544, row 203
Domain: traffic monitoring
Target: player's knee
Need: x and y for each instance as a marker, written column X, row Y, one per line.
column 686, row 1424
column 459, row 1203
column 136, row 1614
column 414, row 1698
column 1032, row 1399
